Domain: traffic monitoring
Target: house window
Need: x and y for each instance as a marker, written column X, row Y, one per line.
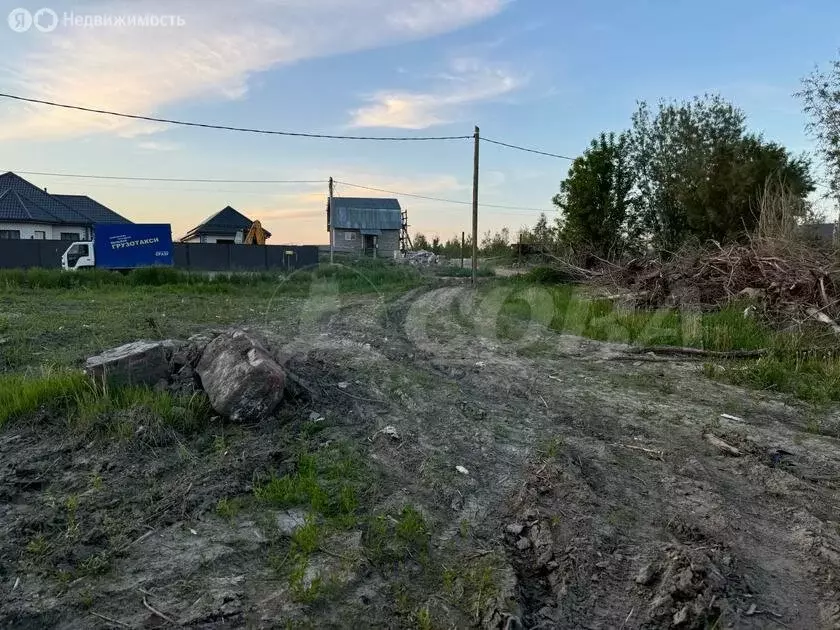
column 70, row 236
column 9, row 234
column 40, row 235
column 349, row 236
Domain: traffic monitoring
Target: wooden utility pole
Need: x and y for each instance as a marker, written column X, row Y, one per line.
column 463, row 247
column 475, row 208
column 332, row 223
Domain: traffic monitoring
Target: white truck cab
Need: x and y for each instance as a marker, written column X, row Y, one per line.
column 78, row 256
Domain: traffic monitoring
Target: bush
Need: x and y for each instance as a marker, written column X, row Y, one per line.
column 548, row 275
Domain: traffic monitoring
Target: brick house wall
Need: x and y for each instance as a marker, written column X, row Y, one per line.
column 352, row 242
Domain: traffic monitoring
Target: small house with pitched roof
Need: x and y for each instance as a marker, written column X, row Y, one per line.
column 365, row 226
column 226, row 226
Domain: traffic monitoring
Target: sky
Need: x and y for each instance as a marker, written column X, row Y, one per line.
column 547, row 74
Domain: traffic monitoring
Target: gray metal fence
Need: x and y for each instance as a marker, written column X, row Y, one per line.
column 17, row 254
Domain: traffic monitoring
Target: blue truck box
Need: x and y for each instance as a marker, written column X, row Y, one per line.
column 131, row 246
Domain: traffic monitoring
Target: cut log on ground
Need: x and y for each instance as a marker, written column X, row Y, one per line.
column 726, row 449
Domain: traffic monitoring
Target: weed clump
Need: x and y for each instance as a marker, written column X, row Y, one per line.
column 23, row 395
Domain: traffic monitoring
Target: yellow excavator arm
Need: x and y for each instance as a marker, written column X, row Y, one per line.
column 256, row 234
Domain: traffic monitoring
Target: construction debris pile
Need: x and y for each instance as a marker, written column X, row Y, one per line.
column 421, row 258
column 785, row 278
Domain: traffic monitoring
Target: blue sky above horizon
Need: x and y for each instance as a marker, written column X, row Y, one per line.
column 546, row 74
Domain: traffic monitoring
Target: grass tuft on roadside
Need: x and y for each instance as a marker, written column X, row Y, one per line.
column 330, row 481
column 120, row 412
column 23, row 395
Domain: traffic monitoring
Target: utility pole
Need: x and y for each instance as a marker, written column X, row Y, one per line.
column 475, row 208
column 332, row 223
column 463, row 247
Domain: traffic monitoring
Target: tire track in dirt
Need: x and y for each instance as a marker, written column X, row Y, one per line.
column 746, row 540
column 591, row 531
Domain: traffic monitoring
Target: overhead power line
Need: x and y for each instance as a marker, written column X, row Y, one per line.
column 527, row 150
column 177, row 179
column 184, row 123
column 454, row 201
column 133, row 178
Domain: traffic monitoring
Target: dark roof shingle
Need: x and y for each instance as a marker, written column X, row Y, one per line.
column 22, row 201
column 92, row 210
column 41, row 205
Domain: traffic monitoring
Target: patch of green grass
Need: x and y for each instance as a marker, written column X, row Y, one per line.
column 71, row 508
column 98, row 564
column 305, row 541
column 814, row 380
column 96, row 482
column 307, row 538
column 424, row 619
column 568, row 309
column 392, row 539
column 86, row 599
column 220, row 445
column 412, row 529
column 788, row 368
column 228, row 508
column 551, row 448
column 813, row 426
column 472, row 585
column 328, row 481
column 481, row 586
column 150, row 276
column 38, row 546
column 303, row 592
column 99, row 408
column 24, row 395
column 89, row 312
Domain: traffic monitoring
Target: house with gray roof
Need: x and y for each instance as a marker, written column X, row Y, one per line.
column 29, row 212
column 228, row 225
column 365, row 226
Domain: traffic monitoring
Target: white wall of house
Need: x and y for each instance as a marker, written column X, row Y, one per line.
column 43, row 231
column 215, row 238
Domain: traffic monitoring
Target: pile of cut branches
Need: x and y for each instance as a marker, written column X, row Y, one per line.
column 786, row 277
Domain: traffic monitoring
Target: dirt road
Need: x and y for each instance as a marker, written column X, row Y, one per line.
column 564, row 486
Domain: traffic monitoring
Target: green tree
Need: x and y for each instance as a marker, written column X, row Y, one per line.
column 452, row 247
column 821, row 96
column 497, row 244
column 700, row 174
column 420, row 242
column 543, row 235
column 670, row 150
column 722, row 198
column 595, row 199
